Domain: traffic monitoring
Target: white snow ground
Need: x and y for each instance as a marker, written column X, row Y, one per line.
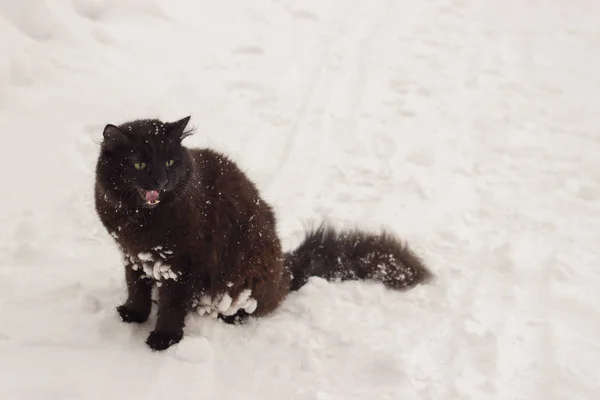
column 468, row 127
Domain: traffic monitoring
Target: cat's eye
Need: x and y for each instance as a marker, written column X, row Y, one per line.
column 170, row 163
column 139, row 165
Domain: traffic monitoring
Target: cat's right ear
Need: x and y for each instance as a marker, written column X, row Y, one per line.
column 113, row 137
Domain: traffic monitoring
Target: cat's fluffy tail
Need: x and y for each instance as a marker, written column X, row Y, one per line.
column 355, row 255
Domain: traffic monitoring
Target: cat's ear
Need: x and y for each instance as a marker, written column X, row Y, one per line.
column 178, row 128
column 113, row 137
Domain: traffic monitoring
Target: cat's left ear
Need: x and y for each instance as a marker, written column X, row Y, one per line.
column 114, row 137
column 177, row 128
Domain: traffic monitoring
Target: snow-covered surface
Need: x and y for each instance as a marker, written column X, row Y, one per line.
column 468, row 127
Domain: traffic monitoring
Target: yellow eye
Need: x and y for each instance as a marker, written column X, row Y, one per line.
column 170, row 163
column 139, row 165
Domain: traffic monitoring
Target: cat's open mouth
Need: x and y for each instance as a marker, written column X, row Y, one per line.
column 150, row 197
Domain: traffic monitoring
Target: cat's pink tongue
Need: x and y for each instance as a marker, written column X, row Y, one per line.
column 151, row 195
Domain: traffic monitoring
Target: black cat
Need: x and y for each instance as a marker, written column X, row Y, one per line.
column 190, row 222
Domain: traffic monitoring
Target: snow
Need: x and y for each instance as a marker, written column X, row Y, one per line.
column 145, row 256
column 468, row 127
column 225, row 302
column 154, row 269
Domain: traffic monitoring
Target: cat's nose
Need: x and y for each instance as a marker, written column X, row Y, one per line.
column 162, row 182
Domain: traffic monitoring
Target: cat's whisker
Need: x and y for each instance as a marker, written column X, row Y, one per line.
column 179, row 192
column 129, row 198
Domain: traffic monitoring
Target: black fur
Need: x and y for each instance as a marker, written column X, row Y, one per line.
column 355, row 255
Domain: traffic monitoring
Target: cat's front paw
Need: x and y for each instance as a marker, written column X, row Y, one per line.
column 129, row 315
column 163, row 340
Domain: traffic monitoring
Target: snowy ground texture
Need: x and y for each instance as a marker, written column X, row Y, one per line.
column 468, row 127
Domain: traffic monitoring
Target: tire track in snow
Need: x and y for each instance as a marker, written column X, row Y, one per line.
column 365, row 46
column 456, row 340
column 339, row 91
column 308, row 98
column 519, row 325
column 327, row 87
column 527, row 364
column 547, row 340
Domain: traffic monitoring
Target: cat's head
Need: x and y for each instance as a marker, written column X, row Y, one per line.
column 143, row 159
